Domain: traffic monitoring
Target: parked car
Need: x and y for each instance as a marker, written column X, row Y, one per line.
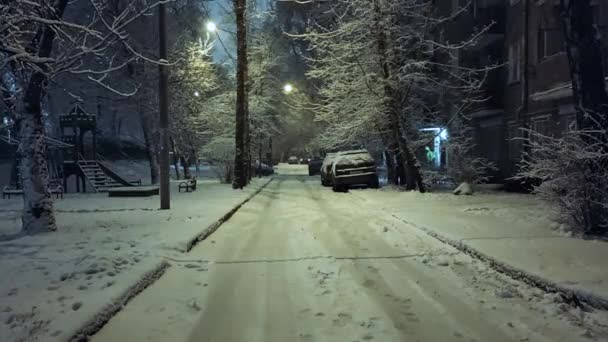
column 353, row 168
column 292, row 160
column 326, row 169
column 314, row 166
column 304, row 161
column 263, row 169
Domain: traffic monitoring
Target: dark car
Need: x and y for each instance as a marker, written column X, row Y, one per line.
column 292, row 160
column 262, row 169
column 326, row 169
column 353, row 168
column 314, row 166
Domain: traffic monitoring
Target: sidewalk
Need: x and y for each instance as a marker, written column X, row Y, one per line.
column 54, row 284
column 512, row 229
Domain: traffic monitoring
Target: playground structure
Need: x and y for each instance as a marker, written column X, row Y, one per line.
column 73, row 155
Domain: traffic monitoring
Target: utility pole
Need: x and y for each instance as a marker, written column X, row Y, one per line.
column 165, row 195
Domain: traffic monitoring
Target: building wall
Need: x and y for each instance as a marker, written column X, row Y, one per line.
column 548, row 69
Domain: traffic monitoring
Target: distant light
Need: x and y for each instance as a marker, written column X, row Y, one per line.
column 288, row 88
column 211, row 27
column 197, row 94
column 444, row 134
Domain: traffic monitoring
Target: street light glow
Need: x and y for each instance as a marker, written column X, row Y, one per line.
column 211, row 27
column 288, row 88
column 197, row 94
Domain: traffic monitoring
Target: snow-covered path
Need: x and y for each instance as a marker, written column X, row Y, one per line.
column 301, row 263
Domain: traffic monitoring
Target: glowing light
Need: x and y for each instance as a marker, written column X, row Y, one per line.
column 211, row 27
column 197, row 94
column 288, row 88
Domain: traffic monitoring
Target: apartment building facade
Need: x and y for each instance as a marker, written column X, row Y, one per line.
column 532, row 88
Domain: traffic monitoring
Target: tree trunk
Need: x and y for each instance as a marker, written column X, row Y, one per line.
column 587, row 71
column 407, row 161
column 391, row 172
column 195, row 161
column 242, row 119
column 186, row 165
column 175, row 158
column 587, row 67
column 38, row 215
column 150, row 143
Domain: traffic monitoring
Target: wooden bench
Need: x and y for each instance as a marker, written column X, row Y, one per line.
column 188, row 185
column 8, row 191
column 57, row 191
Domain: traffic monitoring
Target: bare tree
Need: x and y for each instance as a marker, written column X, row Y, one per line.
column 41, row 40
column 587, row 67
column 384, row 68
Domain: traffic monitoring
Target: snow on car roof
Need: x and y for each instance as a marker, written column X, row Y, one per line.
column 353, row 152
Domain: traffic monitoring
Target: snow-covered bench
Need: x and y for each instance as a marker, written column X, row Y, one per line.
column 8, row 191
column 187, row 185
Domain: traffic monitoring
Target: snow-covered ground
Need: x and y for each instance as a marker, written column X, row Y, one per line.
column 302, row 263
column 515, row 229
column 52, row 284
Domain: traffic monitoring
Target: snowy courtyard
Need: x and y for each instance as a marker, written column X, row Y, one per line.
column 57, row 283
column 303, row 170
column 344, row 266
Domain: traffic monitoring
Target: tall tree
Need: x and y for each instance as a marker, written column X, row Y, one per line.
column 38, row 206
column 587, row 68
column 383, row 70
column 588, row 74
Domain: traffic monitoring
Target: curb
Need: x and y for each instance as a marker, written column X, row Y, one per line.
column 104, row 316
column 571, row 296
column 214, row 226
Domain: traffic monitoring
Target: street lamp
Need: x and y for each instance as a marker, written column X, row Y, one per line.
column 288, row 88
column 197, row 94
column 211, row 27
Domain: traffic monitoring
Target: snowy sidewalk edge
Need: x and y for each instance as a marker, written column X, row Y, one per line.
column 214, row 226
column 572, row 296
column 101, row 318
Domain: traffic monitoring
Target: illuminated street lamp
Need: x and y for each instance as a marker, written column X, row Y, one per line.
column 288, row 88
column 197, row 94
column 211, row 27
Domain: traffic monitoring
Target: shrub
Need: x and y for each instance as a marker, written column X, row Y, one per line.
column 220, row 152
column 573, row 174
column 463, row 166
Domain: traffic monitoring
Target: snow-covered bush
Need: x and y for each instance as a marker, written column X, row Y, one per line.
column 574, row 177
column 463, row 164
column 220, row 152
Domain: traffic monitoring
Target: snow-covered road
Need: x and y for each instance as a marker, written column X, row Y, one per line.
column 301, row 263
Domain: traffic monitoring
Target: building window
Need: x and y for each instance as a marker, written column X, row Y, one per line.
column 515, row 62
column 550, row 42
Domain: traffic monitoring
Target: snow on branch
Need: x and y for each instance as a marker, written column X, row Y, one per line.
column 86, row 32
